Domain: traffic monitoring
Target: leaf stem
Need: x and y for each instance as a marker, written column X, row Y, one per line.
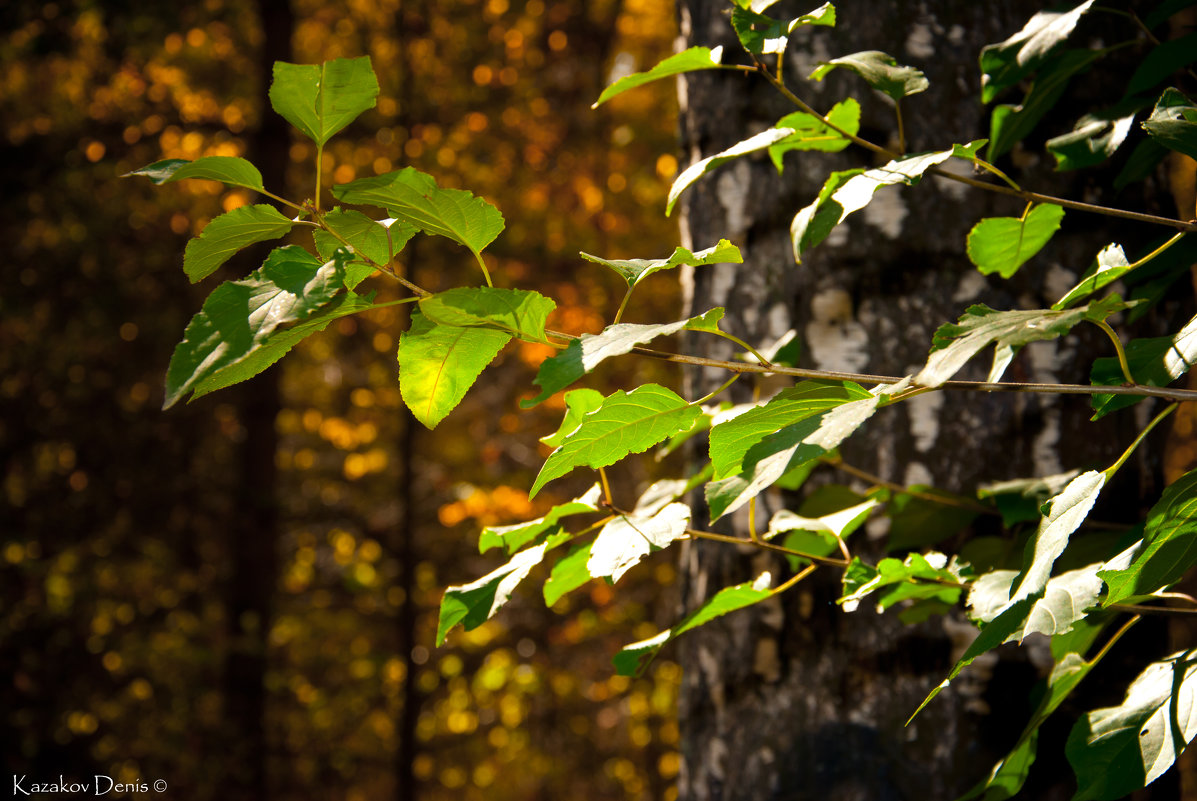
column 482, row 264
column 606, row 488
column 623, row 305
column 1122, row 362
column 1112, row 469
column 1171, row 241
column 982, row 163
column 878, row 481
column 901, row 127
column 722, row 387
column 1105, row 649
column 319, row 172
column 742, row 344
column 797, row 577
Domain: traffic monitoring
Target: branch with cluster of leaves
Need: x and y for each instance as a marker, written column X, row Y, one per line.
column 245, row 326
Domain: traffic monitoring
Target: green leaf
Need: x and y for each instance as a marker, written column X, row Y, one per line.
column 980, row 326
column 762, row 141
column 1093, row 139
column 1169, row 546
column 279, row 342
column 372, row 239
column 1155, row 361
column 789, row 448
column 627, row 539
column 730, row 441
column 811, row 133
column 880, row 71
column 414, row 197
column 474, row 604
column 226, row 169
column 627, row 422
column 518, row 312
column 634, row 658
column 321, row 100
column 695, row 58
column 512, row 538
column 1116, row 750
column 589, row 350
column 839, row 524
column 633, row 271
column 229, row 233
column 1060, row 604
column 1019, row 500
column 761, row 34
column 851, row 190
column 239, row 317
column 1009, row 124
column 439, row 363
column 1003, row 244
column 1173, row 123
column 568, row 574
column 1163, row 60
column 1006, row 63
column 1111, row 265
column 578, row 404
column 916, row 576
column 1068, row 510
column 1141, row 163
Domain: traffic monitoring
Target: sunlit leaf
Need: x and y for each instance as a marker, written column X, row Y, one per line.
column 578, row 404
column 1111, row 265
column 439, row 363
column 1117, row 750
column 1068, row 510
column 627, row 539
column 636, row 270
column 229, row 233
column 762, row 141
column 695, row 58
column 1019, row 500
column 1093, row 139
column 473, row 604
column 730, row 441
column 761, row 34
column 226, row 169
column 917, row 575
column 1003, row 244
column 1173, row 123
column 322, row 99
column 626, row 423
column 1155, row 361
column 1063, row 601
column 880, row 71
column 851, row 190
column 518, row 312
column 568, row 574
column 1169, row 546
column 414, row 197
column 980, row 326
column 1006, row 63
column 589, row 350
column 634, row 658
column 239, row 316
column 811, row 133
column 369, row 238
column 512, row 538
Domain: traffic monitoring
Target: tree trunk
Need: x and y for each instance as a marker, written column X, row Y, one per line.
column 798, row 699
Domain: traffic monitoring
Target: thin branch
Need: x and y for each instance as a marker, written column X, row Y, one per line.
column 768, row 546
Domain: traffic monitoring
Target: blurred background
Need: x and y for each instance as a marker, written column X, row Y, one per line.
column 239, row 596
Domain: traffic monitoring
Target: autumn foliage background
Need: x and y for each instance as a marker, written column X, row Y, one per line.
column 126, row 645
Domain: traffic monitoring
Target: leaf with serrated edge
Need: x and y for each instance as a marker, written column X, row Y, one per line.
column 414, row 197
column 1173, row 123
column 229, row 233
column 695, row 58
column 439, row 363
column 811, row 133
column 371, row 239
column 239, row 316
column 632, row 660
column 589, row 350
column 980, row 326
column 1003, row 244
column 473, row 604
column 519, row 312
column 229, row 170
column 1169, row 545
column 1155, row 361
column 1117, row 750
column 762, row 141
column 1111, row 265
column 880, row 71
column 1064, row 600
column 1068, row 510
column 578, row 404
column 851, row 192
column 627, row 539
column 512, row 538
column 322, row 99
column 890, row 571
column 633, row 271
column 626, row 423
